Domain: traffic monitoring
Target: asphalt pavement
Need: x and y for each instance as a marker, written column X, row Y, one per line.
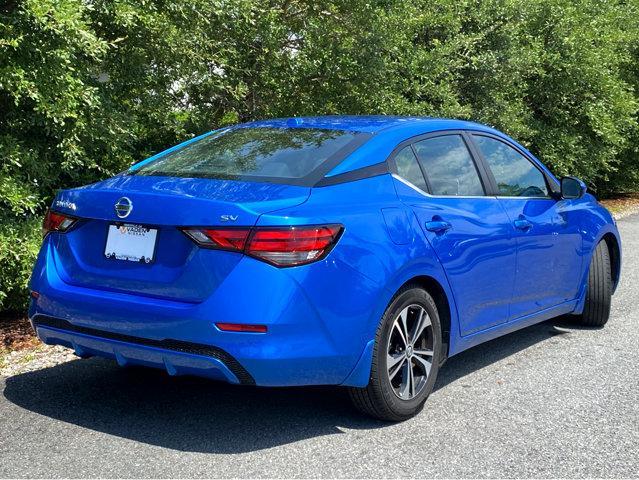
column 552, row 400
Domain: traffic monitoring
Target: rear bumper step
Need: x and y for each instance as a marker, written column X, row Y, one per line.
column 84, row 339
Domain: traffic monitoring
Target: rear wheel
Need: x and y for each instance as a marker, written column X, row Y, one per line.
column 599, row 291
column 406, row 358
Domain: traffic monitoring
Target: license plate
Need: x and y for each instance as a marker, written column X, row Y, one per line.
column 134, row 243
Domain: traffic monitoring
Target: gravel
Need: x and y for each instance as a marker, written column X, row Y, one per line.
column 31, row 359
column 552, row 400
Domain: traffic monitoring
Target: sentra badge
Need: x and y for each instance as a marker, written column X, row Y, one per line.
column 65, row 204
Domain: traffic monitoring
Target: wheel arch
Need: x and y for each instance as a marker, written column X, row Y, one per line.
column 615, row 257
column 436, row 290
column 359, row 376
column 596, row 225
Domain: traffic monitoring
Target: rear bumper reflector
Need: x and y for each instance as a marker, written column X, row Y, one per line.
column 241, row 327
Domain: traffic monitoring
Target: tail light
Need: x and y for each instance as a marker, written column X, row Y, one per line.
column 279, row 246
column 56, row 222
column 292, row 246
column 220, row 238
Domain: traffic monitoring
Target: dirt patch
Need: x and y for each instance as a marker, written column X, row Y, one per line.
column 16, row 333
column 21, row 351
column 622, row 205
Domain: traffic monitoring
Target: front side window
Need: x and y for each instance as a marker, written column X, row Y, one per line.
column 408, row 168
column 515, row 175
column 449, row 167
column 247, row 153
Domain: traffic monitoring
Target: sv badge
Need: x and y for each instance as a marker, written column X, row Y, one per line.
column 229, row 218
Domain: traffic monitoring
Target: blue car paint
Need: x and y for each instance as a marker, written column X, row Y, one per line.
column 550, row 250
column 483, row 244
column 321, row 317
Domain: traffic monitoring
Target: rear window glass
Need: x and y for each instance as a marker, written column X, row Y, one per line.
column 255, row 154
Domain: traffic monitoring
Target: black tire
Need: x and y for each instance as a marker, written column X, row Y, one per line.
column 599, row 291
column 379, row 399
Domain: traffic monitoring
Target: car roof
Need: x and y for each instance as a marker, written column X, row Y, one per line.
column 366, row 123
column 387, row 131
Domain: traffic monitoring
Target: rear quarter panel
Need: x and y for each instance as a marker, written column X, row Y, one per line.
column 375, row 256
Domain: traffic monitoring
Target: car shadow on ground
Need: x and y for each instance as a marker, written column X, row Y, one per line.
column 192, row 414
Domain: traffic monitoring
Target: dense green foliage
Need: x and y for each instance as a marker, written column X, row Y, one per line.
column 87, row 88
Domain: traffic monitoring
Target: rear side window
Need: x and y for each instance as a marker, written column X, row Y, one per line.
column 449, row 167
column 515, row 175
column 254, row 154
column 408, row 168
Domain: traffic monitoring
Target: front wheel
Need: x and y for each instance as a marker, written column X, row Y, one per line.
column 599, row 291
column 406, row 358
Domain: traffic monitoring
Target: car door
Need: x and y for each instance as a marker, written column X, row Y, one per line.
column 548, row 238
column 470, row 233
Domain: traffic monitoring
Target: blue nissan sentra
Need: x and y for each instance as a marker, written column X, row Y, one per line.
column 353, row 251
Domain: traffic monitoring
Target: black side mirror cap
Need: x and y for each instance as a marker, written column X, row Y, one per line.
column 572, row 188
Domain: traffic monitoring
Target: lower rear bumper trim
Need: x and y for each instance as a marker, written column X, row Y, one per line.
column 180, row 346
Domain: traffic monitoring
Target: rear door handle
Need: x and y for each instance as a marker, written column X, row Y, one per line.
column 438, row 226
column 523, row 224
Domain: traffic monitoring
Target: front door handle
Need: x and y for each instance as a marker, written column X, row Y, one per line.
column 523, row 224
column 438, row 226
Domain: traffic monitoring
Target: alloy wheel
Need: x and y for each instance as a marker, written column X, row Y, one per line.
column 410, row 352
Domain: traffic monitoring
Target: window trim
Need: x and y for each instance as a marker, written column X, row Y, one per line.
column 429, row 187
column 392, row 166
column 493, row 182
column 374, row 170
column 484, row 179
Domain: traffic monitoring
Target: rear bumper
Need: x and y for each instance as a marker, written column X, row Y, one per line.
column 176, row 357
column 310, row 340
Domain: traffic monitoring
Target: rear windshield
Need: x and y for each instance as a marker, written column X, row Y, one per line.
column 282, row 155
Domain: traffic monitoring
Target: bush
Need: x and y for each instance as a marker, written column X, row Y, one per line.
column 75, row 106
column 87, row 88
column 19, row 245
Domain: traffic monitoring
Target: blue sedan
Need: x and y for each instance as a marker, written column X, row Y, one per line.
column 353, row 251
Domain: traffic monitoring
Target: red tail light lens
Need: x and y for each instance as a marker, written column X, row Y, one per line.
column 280, row 246
column 221, row 238
column 56, row 222
column 294, row 245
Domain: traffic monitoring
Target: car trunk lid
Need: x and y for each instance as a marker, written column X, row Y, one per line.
column 179, row 270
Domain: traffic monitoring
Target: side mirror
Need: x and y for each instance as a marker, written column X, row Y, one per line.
column 572, row 188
